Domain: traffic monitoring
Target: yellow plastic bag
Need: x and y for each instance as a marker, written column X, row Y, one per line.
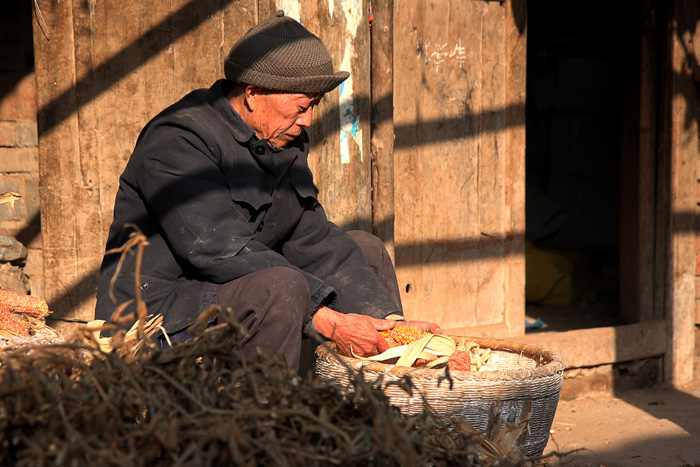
column 557, row 278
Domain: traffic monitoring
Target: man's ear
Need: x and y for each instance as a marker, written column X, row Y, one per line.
column 252, row 94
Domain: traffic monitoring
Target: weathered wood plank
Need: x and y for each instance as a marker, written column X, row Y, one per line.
column 491, row 165
column 680, row 285
column 638, row 182
column 514, row 172
column 58, row 145
column 648, row 288
column 600, row 346
column 453, row 201
column 101, row 80
column 382, row 122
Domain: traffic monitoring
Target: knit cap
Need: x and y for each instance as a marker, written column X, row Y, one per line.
column 280, row 54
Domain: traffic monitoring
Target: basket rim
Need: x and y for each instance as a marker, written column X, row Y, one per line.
column 554, row 365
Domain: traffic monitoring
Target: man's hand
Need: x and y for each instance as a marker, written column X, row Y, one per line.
column 352, row 333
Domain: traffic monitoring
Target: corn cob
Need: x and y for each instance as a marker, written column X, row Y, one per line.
column 401, row 335
column 12, row 325
column 16, row 302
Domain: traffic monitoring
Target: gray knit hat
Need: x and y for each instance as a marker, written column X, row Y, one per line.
column 281, row 55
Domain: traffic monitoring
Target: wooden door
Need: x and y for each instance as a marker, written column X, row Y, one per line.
column 458, row 162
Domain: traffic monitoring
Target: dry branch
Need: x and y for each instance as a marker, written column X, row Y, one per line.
column 203, row 403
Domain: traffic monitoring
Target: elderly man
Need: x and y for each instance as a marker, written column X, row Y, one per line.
column 219, row 183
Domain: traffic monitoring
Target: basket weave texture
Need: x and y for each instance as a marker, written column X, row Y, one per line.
column 518, row 381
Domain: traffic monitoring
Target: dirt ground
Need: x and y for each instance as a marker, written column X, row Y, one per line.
column 656, row 427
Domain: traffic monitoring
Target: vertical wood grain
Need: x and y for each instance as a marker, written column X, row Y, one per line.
column 459, row 174
column 680, row 285
column 516, row 83
column 110, row 67
column 382, row 122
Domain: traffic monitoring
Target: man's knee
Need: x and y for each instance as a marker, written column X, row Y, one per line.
column 378, row 261
column 289, row 294
column 373, row 249
column 275, row 287
column 287, row 282
column 366, row 240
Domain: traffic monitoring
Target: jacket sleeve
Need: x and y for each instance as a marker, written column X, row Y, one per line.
column 325, row 250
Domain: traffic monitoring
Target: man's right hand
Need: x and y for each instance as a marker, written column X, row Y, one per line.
column 352, row 333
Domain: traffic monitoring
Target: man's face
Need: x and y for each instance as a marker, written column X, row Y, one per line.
column 280, row 117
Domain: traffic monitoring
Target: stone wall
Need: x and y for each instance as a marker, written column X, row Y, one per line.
column 19, row 167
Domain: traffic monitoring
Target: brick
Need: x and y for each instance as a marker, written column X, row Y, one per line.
column 7, row 134
column 19, row 96
column 20, row 133
column 26, row 133
column 7, row 212
column 19, row 160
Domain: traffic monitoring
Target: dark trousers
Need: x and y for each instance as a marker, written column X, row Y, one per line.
column 273, row 305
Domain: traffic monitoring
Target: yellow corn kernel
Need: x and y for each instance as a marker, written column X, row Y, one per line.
column 401, row 335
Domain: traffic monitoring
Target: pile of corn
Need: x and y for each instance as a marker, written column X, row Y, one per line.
column 413, row 347
column 20, row 314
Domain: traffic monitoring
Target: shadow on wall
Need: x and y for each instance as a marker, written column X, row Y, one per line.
column 162, row 35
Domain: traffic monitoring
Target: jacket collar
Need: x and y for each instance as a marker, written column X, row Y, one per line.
column 216, row 97
column 256, row 187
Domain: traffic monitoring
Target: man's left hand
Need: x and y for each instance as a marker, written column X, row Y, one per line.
column 352, row 333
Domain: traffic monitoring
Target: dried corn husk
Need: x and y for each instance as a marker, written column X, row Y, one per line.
column 479, row 355
column 435, row 349
column 10, row 197
column 428, row 348
column 124, row 343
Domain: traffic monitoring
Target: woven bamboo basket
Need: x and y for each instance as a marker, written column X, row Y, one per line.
column 519, row 381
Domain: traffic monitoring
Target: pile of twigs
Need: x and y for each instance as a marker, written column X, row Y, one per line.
column 202, row 403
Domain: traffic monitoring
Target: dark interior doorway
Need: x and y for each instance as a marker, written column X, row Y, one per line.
column 576, row 80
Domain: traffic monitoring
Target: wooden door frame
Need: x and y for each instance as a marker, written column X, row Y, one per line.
column 661, row 300
column 678, row 159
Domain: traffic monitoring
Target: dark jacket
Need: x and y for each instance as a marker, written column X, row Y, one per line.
column 216, row 204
